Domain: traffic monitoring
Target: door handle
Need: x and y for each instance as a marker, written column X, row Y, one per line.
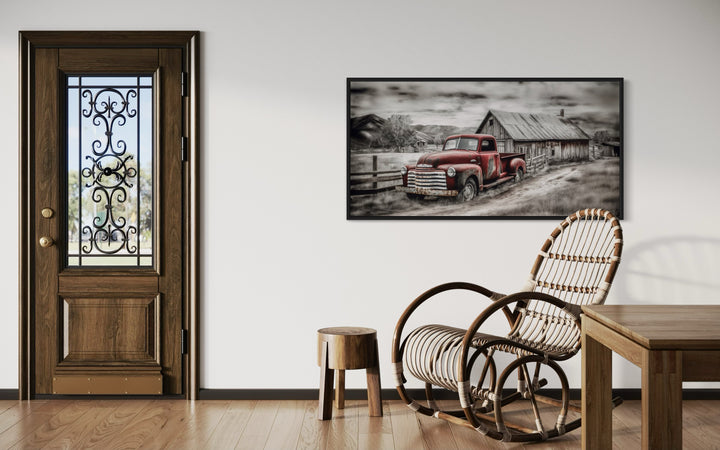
column 46, row 241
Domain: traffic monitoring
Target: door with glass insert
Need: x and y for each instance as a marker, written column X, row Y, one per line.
column 108, row 189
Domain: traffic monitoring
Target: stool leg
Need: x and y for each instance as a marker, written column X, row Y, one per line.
column 326, row 387
column 373, row 387
column 340, row 389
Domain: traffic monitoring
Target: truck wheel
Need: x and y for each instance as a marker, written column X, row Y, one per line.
column 519, row 175
column 414, row 196
column 468, row 191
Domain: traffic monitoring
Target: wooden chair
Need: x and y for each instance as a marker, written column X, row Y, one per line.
column 576, row 266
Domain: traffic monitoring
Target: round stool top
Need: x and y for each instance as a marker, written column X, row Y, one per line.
column 347, row 347
column 346, row 331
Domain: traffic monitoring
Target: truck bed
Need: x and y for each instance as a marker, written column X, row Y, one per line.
column 512, row 155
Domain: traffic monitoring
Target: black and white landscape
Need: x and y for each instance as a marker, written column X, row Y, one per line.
column 570, row 131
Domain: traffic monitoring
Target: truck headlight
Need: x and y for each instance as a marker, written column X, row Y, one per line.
column 451, row 172
column 403, row 170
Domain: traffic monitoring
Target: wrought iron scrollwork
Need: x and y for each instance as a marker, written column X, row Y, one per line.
column 109, row 172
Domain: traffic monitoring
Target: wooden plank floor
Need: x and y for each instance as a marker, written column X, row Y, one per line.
column 222, row 424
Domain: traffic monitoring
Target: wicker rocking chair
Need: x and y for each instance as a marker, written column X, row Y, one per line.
column 576, row 266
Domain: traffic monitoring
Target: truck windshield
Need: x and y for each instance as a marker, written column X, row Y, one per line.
column 461, row 144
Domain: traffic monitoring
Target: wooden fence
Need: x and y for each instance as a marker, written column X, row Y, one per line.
column 536, row 163
column 374, row 182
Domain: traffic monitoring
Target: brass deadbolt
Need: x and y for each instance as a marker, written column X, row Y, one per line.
column 47, row 213
column 46, row 241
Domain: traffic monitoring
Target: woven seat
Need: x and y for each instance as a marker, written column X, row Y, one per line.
column 517, row 347
column 575, row 266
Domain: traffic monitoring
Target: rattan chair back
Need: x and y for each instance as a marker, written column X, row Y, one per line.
column 576, row 264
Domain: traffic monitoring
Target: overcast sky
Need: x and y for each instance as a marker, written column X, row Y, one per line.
column 592, row 105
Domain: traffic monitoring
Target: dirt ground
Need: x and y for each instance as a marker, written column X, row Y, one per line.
column 556, row 191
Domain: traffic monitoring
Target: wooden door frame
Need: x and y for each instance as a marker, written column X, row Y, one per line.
column 188, row 42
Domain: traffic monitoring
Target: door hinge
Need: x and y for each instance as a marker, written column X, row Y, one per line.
column 183, row 84
column 183, row 148
column 184, row 341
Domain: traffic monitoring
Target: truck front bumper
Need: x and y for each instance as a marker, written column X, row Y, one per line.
column 431, row 192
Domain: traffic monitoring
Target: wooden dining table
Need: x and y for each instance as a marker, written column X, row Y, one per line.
column 670, row 343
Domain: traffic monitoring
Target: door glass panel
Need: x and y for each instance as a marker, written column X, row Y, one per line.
column 110, row 170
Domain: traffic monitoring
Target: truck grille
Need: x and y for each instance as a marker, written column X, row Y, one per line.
column 427, row 180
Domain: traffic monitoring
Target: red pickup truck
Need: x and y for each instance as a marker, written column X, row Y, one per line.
column 467, row 164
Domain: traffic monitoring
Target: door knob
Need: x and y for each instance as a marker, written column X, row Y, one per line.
column 46, row 241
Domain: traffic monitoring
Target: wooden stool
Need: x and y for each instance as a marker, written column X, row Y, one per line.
column 347, row 348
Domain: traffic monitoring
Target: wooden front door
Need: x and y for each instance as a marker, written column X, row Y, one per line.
column 107, row 220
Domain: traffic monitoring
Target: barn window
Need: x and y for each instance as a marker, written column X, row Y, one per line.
column 491, row 122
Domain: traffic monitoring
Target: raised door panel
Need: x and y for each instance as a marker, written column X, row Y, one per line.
column 111, row 330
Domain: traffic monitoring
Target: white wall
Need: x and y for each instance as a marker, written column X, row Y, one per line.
column 279, row 259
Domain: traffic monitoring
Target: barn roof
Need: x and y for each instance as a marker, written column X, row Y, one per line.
column 536, row 127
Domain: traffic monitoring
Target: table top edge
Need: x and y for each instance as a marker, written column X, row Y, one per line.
column 655, row 342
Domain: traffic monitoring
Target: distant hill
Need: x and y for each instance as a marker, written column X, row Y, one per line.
column 443, row 130
column 364, row 130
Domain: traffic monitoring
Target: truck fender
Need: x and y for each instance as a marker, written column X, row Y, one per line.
column 465, row 171
column 517, row 163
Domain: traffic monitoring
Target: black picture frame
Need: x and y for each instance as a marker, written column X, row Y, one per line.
column 569, row 130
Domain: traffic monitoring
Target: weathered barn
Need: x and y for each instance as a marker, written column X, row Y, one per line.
column 609, row 147
column 536, row 134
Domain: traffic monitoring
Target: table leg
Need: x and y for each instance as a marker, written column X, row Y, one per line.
column 596, row 393
column 326, row 386
column 662, row 399
column 340, row 390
